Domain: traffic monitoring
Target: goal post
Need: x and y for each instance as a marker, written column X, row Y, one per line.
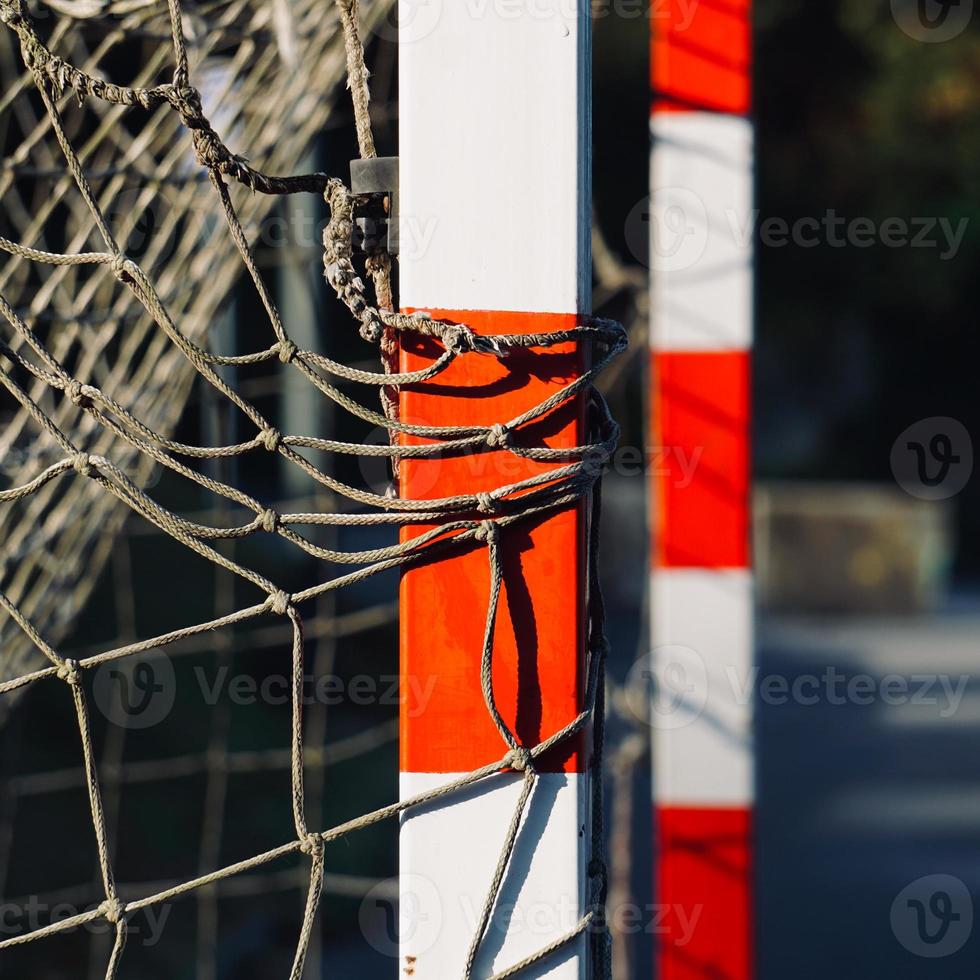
column 494, row 192
column 701, row 575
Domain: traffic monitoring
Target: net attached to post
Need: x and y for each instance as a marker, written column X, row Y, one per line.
column 103, row 341
column 148, row 185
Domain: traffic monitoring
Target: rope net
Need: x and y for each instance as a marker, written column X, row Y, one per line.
column 149, row 188
column 98, row 359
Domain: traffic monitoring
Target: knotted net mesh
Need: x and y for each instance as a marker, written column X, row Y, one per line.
column 106, row 333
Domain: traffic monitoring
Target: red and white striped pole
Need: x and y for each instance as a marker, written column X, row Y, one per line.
column 494, row 232
column 701, row 611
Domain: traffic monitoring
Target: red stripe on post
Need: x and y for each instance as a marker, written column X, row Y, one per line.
column 539, row 656
column 701, row 56
column 705, row 887
column 700, row 459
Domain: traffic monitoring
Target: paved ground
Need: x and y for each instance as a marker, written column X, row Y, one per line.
column 861, row 799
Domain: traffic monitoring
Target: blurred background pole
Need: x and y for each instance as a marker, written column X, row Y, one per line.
column 701, row 578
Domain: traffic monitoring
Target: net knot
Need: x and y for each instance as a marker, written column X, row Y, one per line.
column 80, row 394
column 486, row 503
column 287, row 351
column 488, row 531
column 498, row 436
column 462, row 339
column 458, row 338
column 597, row 868
column 270, row 438
column 187, row 101
column 312, row 844
column 335, row 273
column 113, row 910
column 124, row 268
column 270, row 520
column 211, row 153
column 82, row 464
column 280, row 602
column 207, row 146
column 371, row 329
column 520, row 759
column 69, row 671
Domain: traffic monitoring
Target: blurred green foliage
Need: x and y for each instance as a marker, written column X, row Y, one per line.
column 855, row 343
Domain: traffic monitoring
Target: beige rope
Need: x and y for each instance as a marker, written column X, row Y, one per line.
column 378, row 264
